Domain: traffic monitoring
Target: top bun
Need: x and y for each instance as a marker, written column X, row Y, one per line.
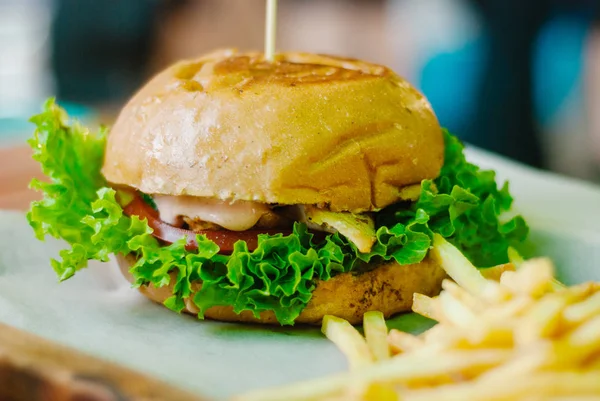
column 306, row 129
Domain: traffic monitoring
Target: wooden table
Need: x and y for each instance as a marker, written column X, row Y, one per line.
column 17, row 168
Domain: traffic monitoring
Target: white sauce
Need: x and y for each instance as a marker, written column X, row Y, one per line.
column 234, row 216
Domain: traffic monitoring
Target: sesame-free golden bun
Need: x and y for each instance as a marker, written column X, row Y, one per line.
column 305, row 129
column 388, row 288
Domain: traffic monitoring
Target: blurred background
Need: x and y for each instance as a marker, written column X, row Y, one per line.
column 520, row 78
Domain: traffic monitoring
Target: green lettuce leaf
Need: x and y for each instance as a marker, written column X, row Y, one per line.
column 463, row 204
column 77, row 206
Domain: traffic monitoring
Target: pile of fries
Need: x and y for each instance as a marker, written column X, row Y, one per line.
column 524, row 337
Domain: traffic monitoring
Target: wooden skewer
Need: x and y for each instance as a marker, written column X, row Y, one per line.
column 34, row 369
column 271, row 30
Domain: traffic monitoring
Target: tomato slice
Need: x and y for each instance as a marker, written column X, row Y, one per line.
column 165, row 232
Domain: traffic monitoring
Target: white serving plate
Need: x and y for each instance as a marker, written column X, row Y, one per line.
column 98, row 313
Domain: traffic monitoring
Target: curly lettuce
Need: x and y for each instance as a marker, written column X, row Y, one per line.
column 464, row 205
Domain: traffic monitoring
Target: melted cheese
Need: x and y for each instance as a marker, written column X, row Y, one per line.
column 234, row 216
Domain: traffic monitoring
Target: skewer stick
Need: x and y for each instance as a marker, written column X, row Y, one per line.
column 271, row 30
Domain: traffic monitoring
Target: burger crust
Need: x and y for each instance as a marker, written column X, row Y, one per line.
column 307, row 129
column 389, row 289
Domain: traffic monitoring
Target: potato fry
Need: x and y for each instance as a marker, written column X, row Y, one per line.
column 463, row 296
column 584, row 310
column 421, row 365
column 514, row 388
column 395, row 370
column 551, row 384
column 571, row 398
column 509, row 280
column 586, row 336
column 462, row 271
column 443, row 336
column 517, row 260
column 496, row 272
column 458, row 267
column 579, row 345
column 525, row 363
column 426, row 306
column 534, row 277
column 541, row 321
column 491, row 335
column 508, row 309
column 380, row 392
column 593, row 364
column 376, row 334
column 400, row 341
column 455, row 312
column 581, row 292
column 348, row 340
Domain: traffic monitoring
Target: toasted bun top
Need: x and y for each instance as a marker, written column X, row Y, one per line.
column 307, row 129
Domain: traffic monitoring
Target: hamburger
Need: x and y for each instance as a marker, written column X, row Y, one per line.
column 238, row 189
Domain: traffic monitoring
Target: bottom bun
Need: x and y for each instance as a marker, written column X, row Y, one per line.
column 389, row 289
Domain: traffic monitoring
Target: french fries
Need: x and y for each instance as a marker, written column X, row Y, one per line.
column 424, row 306
column 458, row 266
column 376, row 333
column 348, row 340
column 584, row 310
column 519, row 336
column 400, row 341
